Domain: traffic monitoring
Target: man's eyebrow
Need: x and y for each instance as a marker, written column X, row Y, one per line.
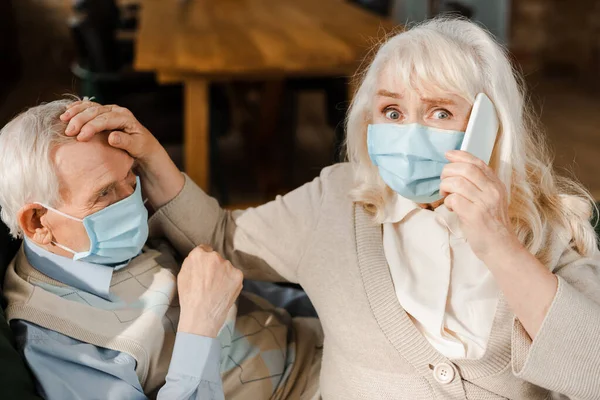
column 109, row 186
column 438, row 100
column 386, row 93
column 102, row 189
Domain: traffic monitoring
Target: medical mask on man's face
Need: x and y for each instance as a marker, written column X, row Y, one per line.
column 411, row 157
column 117, row 233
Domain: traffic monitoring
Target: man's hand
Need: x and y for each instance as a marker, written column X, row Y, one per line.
column 161, row 179
column 208, row 286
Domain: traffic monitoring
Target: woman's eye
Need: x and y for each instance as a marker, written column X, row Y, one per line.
column 442, row 114
column 392, row 114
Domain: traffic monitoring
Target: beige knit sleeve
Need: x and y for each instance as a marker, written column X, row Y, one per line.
column 266, row 243
column 565, row 355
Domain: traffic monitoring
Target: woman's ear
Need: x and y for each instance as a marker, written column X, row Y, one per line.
column 30, row 221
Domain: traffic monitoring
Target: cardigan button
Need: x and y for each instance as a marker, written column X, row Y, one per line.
column 443, row 373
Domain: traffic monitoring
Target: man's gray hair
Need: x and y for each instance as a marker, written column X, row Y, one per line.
column 27, row 171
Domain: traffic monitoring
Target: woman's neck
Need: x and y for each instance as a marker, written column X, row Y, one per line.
column 432, row 206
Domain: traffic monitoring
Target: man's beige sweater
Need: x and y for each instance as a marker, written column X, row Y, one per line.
column 318, row 237
column 265, row 354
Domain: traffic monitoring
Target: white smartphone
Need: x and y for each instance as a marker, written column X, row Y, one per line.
column 482, row 129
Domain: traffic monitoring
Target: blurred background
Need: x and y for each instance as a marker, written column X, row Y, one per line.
column 249, row 96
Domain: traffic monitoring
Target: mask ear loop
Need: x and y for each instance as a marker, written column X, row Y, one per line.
column 59, row 212
column 65, row 248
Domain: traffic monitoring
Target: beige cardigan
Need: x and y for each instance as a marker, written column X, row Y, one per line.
column 318, row 237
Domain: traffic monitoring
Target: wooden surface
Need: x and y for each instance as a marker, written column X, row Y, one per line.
column 196, row 150
column 239, row 37
column 198, row 41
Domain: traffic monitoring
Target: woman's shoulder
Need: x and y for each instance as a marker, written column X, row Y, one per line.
column 337, row 181
column 338, row 176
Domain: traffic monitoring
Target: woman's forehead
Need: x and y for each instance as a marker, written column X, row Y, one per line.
column 397, row 89
column 406, row 78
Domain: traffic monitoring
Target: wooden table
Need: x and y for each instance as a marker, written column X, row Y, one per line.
column 198, row 41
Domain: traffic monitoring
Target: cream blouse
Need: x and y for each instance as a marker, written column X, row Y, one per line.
column 446, row 290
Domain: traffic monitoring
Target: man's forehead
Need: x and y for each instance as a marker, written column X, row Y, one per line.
column 89, row 163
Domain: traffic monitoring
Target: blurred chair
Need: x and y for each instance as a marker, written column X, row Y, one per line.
column 9, row 53
column 104, row 69
column 103, row 62
column 450, row 7
column 124, row 17
column 379, row 7
column 8, row 249
column 337, row 98
column 15, row 379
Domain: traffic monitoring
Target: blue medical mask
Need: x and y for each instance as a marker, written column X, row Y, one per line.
column 411, row 157
column 117, row 233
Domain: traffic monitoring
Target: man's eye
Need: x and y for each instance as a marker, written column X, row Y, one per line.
column 442, row 114
column 103, row 193
column 392, row 114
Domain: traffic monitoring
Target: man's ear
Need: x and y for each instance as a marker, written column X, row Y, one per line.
column 30, row 220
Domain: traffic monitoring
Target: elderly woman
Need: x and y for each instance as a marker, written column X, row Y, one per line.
column 486, row 288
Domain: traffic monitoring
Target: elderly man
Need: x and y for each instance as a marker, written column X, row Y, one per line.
column 94, row 303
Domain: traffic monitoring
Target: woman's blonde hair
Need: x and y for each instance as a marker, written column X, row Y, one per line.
column 457, row 56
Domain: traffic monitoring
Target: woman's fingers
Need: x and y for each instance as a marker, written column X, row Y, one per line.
column 471, row 173
column 456, row 156
column 84, row 117
column 457, row 203
column 474, row 170
column 462, row 186
column 77, row 107
column 87, row 119
column 108, row 121
column 131, row 143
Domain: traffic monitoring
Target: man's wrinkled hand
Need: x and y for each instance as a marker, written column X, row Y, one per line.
column 208, row 286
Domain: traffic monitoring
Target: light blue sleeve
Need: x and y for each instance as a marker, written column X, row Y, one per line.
column 194, row 370
column 66, row 368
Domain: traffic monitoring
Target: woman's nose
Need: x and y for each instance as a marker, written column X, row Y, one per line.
column 412, row 119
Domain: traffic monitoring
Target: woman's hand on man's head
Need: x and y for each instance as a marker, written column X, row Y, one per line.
column 161, row 179
column 86, row 118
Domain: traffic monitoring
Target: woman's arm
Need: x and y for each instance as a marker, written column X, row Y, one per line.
column 266, row 243
column 479, row 199
column 528, row 286
column 565, row 354
column 556, row 332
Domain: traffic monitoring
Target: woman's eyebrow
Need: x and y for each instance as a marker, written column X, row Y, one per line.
column 386, row 93
column 438, row 100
